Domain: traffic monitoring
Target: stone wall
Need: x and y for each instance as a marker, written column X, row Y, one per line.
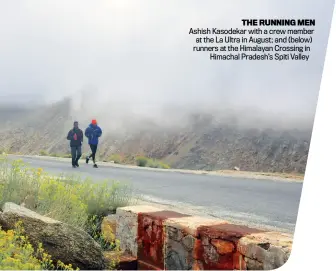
column 166, row 240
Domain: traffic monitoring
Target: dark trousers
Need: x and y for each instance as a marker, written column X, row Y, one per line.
column 93, row 152
column 76, row 153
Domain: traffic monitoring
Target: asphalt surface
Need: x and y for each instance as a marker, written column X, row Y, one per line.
column 265, row 203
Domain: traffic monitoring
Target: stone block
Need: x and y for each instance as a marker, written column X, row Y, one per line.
column 127, row 226
column 190, row 224
column 219, row 246
column 167, row 240
column 270, row 249
column 253, row 264
column 182, row 244
column 151, row 238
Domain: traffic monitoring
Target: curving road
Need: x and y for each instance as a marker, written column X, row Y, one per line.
column 266, row 203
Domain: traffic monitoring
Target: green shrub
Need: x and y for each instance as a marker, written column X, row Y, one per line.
column 116, row 158
column 164, row 166
column 153, row 163
column 18, row 183
column 66, row 198
column 81, row 203
column 93, row 227
column 141, row 161
column 105, row 197
column 60, row 201
column 43, row 153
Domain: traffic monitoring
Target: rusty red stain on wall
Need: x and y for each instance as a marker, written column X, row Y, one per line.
column 238, row 261
column 217, row 247
column 151, row 237
column 198, row 250
column 223, row 246
column 227, row 231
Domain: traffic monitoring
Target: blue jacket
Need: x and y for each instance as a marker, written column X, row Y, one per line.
column 93, row 133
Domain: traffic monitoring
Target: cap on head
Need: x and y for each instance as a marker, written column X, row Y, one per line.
column 94, row 122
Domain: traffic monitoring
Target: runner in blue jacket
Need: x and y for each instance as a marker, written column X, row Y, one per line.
column 93, row 132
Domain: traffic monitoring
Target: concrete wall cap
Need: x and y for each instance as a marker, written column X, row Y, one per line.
column 191, row 224
column 275, row 238
column 139, row 209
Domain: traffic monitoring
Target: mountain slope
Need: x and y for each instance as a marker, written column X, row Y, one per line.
column 200, row 144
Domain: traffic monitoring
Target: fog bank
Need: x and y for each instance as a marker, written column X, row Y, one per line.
column 130, row 62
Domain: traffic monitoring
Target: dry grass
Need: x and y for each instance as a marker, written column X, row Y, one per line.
column 65, row 198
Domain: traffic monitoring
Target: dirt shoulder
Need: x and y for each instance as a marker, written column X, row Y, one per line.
column 288, row 177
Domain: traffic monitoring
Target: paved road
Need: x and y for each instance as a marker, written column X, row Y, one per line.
column 256, row 202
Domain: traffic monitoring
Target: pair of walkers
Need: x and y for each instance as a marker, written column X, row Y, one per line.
column 75, row 136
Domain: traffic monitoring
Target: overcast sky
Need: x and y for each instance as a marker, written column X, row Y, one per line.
column 135, row 57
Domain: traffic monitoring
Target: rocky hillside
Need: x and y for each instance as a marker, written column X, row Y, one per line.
column 201, row 144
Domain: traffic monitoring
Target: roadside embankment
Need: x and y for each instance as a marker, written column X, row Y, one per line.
column 162, row 239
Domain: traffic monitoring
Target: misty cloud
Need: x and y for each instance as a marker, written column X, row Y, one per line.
column 124, row 61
